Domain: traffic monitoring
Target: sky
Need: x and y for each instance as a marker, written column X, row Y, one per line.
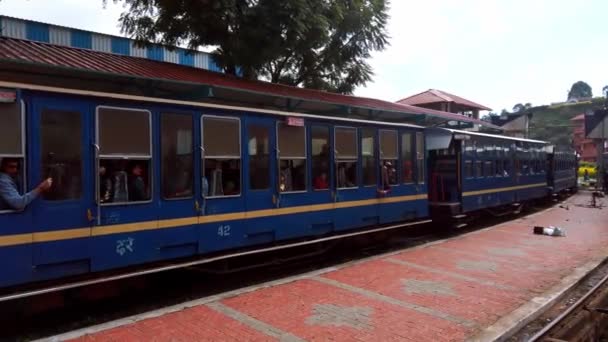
column 494, row 52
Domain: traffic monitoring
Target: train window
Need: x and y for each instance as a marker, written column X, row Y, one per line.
column 346, row 157
column 389, row 147
column 406, row 158
column 125, row 168
column 468, row 168
column 221, row 156
column 292, row 155
column 11, row 130
column 61, row 153
column 177, row 155
column 420, row 157
column 12, row 143
column 488, row 168
column 506, row 166
column 498, row 168
column 320, row 157
column 478, row 169
column 525, row 167
column 259, row 157
column 368, row 147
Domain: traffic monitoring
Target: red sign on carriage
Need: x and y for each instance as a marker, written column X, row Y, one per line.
column 299, row 122
column 8, row 96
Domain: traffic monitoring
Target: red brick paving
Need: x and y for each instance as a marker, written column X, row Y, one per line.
column 388, row 279
column 297, row 301
column 477, row 277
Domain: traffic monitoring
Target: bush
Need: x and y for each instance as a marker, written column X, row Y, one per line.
column 591, row 170
column 587, row 164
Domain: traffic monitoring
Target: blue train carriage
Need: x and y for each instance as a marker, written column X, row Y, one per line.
column 139, row 181
column 563, row 165
column 472, row 171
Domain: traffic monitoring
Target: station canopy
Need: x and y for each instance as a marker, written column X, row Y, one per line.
column 25, row 61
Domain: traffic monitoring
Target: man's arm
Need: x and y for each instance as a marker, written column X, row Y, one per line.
column 13, row 198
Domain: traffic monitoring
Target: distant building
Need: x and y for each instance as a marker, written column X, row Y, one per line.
column 584, row 146
column 514, row 124
column 440, row 100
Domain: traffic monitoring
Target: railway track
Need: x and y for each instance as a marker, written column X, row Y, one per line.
column 585, row 320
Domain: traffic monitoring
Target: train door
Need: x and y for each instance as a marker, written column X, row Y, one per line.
column 179, row 189
column 127, row 223
column 224, row 224
column 260, row 170
column 322, row 187
column 61, row 150
column 293, row 179
column 15, row 225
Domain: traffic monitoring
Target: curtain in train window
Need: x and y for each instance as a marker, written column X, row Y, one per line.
column 368, row 159
column 346, row 157
column 259, row 156
column 320, row 157
column 389, row 155
column 292, row 158
column 222, row 156
column 177, row 155
column 12, row 146
column 61, row 153
column 125, row 155
column 407, row 157
column 420, row 157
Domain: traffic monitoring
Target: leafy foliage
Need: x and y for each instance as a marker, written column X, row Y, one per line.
column 321, row 44
column 605, row 91
column 580, row 90
column 488, row 117
column 521, row 107
column 552, row 123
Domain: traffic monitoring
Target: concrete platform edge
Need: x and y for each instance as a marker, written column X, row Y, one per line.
column 509, row 325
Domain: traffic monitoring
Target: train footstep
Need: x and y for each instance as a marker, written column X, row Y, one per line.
column 550, row 231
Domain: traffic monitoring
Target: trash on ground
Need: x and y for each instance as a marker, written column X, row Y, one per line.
column 550, row 231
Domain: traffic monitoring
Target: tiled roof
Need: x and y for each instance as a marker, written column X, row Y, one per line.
column 434, row 96
column 578, row 117
column 78, row 59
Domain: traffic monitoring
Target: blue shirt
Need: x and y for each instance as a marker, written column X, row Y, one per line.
column 10, row 198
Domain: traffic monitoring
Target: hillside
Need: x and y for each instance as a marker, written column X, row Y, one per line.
column 552, row 123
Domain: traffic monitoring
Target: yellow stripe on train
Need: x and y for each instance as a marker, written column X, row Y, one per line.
column 67, row 234
column 494, row 190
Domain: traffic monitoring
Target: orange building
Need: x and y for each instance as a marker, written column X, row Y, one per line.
column 584, row 146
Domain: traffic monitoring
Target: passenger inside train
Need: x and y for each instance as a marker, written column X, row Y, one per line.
column 11, row 197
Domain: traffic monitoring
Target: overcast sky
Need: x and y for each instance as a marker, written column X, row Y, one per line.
column 495, row 52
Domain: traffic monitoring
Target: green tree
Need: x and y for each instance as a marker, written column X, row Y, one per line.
column 605, row 91
column 521, row 107
column 488, row 117
column 580, row 90
column 321, row 44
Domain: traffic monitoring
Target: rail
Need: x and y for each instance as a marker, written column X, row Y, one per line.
column 551, row 332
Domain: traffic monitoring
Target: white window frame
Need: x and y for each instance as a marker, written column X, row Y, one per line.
column 21, row 156
column 337, row 159
column 204, row 155
column 99, row 156
column 279, row 158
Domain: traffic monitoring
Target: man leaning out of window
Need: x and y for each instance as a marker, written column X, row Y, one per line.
column 10, row 198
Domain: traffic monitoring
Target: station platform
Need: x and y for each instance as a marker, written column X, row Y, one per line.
column 477, row 286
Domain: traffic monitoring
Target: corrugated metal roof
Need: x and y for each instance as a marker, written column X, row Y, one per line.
column 94, row 61
column 61, row 35
column 434, row 96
